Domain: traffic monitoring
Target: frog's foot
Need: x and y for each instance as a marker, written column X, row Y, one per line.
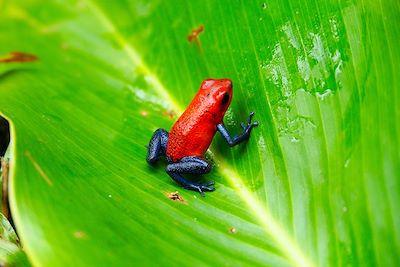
column 247, row 127
column 244, row 135
column 201, row 188
column 191, row 165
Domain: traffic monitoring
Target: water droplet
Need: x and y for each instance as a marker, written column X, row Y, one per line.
column 294, row 140
column 336, row 57
column 264, row 5
column 324, row 94
column 263, row 66
column 304, row 69
column 347, row 162
column 292, row 38
column 334, row 28
column 276, row 70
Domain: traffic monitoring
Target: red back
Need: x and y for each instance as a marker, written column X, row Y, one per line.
column 193, row 132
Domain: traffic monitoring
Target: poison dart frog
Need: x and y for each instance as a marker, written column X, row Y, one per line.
column 185, row 145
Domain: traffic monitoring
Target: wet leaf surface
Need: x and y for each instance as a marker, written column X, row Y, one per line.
column 316, row 185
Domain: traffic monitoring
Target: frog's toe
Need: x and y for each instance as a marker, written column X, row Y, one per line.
column 204, row 188
column 201, row 188
column 207, row 188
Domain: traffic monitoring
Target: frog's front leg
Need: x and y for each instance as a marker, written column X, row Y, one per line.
column 190, row 165
column 157, row 145
column 232, row 141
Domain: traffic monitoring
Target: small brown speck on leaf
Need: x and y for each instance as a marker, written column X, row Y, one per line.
column 38, row 168
column 65, row 46
column 170, row 114
column 80, row 235
column 144, row 113
column 194, row 35
column 232, row 230
column 175, row 197
column 18, row 57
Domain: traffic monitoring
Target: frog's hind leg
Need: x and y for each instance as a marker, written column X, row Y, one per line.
column 157, row 146
column 191, row 165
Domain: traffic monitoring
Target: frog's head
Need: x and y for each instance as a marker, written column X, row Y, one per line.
column 218, row 92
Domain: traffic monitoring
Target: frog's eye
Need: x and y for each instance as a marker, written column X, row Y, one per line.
column 225, row 99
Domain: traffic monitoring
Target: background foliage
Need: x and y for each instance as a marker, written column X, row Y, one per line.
column 316, row 185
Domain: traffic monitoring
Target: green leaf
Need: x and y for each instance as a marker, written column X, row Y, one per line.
column 10, row 252
column 7, row 232
column 316, row 185
column 11, row 255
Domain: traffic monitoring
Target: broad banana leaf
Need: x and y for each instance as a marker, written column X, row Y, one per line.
column 317, row 183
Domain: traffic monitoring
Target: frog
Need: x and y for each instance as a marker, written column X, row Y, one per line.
column 185, row 145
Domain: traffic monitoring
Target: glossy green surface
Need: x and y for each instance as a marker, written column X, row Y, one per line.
column 318, row 183
column 11, row 253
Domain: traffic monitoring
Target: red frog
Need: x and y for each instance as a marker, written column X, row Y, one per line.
column 185, row 145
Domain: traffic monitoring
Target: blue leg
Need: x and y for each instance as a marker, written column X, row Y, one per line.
column 157, row 146
column 233, row 141
column 191, row 165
